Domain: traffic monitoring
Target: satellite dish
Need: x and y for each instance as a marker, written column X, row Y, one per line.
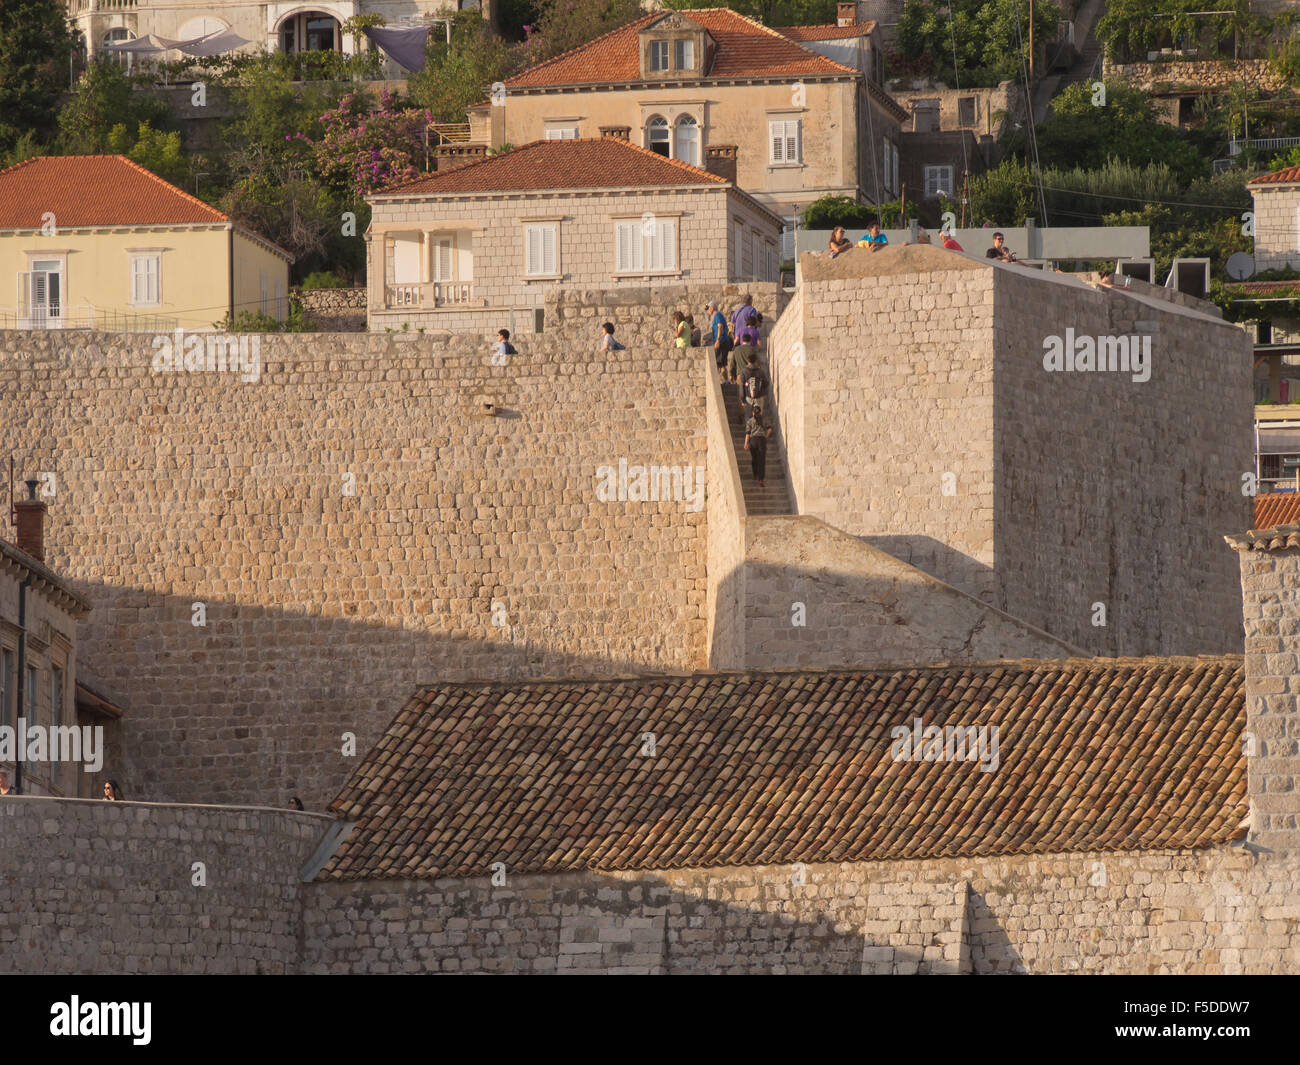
column 1240, row 266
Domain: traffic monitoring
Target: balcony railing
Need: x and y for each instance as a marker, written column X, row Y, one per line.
column 1235, row 147
column 84, row 317
column 429, row 295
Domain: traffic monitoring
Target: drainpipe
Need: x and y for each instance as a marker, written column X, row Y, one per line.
column 22, row 674
column 232, row 274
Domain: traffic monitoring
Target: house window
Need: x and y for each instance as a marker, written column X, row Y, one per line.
column 756, row 256
column 542, row 242
column 966, row 111
column 7, row 658
column 406, row 260
column 938, row 180
column 739, row 244
column 562, row 133
column 41, row 294
column 649, row 246
column 685, row 54
column 29, row 710
column 658, row 55
column 894, row 175
column 784, row 139
column 280, row 308
column 146, row 280
column 770, row 248
column 444, row 259
column 688, row 140
column 119, row 36
column 656, row 135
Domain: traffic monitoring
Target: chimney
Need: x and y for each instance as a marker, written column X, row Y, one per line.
column 846, row 14
column 29, row 522
column 720, row 159
column 616, row 133
column 1270, row 592
column 452, row 156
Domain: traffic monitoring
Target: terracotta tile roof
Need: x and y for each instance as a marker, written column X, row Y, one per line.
column 825, row 33
column 1277, row 508
column 1261, row 288
column 1277, row 177
column 94, row 190
column 585, row 163
column 1271, row 538
column 763, row 768
column 744, row 49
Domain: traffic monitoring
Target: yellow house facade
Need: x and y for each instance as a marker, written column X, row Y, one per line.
column 97, row 242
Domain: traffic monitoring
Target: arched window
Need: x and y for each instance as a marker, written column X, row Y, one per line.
column 656, row 136
column 117, row 36
column 202, row 26
column 688, row 140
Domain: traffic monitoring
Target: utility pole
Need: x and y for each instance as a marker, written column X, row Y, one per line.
column 1031, row 40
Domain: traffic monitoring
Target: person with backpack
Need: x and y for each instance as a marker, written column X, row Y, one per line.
column 754, row 383
column 740, row 316
column 503, row 347
column 746, row 337
column 695, row 331
column 756, row 434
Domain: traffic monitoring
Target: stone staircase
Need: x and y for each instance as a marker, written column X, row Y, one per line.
column 774, row 497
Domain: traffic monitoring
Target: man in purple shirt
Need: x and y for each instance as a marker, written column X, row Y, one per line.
column 740, row 316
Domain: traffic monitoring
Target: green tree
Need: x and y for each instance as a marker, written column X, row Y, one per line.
column 830, row 211
column 989, row 36
column 1079, row 133
column 461, row 74
column 106, row 98
column 153, row 149
column 1131, row 28
column 35, row 52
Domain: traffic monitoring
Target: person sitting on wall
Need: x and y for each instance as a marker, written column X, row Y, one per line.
column 874, row 238
column 1000, row 251
column 839, row 242
column 112, row 793
column 295, row 803
column 950, row 244
column 607, row 341
column 5, row 789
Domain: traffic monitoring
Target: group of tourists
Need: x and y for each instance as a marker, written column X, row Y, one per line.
column 874, row 239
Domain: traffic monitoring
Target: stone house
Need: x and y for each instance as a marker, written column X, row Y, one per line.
column 273, row 25
column 1276, row 199
column 804, row 125
column 98, row 242
column 39, row 611
column 476, row 248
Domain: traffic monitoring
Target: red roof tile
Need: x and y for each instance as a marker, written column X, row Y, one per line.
column 773, row 768
column 1278, row 177
column 1261, row 288
column 1277, row 508
column 94, row 190
column 824, row 33
column 745, row 49
column 585, row 163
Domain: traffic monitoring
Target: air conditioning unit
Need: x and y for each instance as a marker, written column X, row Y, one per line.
column 1141, row 269
column 1191, row 276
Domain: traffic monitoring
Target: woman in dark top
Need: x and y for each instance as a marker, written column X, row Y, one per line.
column 839, row 241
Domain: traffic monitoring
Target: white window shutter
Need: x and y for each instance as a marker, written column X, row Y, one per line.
column 776, row 133
column 548, row 250
column 442, row 259
column 793, row 145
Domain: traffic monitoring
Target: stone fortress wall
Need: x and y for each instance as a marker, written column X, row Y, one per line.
column 348, row 522
column 96, row 887
column 916, row 413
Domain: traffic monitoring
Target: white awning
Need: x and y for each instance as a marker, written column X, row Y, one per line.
column 213, row 44
column 146, row 45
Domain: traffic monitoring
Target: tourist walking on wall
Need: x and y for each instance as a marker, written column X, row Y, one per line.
column 681, row 330
column 756, row 434
column 719, row 335
column 741, row 314
column 748, row 341
column 754, row 383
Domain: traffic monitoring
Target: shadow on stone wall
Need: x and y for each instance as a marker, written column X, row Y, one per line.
column 254, row 706
column 597, row 923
